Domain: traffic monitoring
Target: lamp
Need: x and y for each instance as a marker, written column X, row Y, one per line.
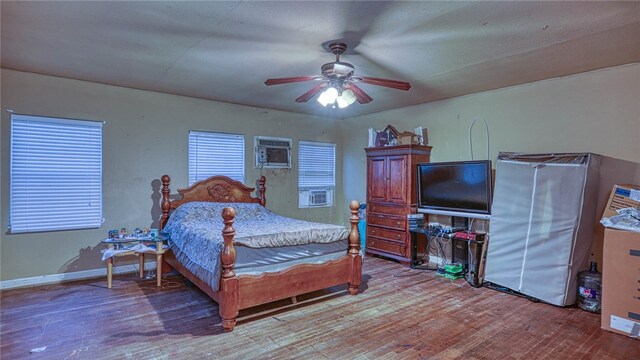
column 322, row 99
column 331, row 96
column 328, row 96
column 349, row 96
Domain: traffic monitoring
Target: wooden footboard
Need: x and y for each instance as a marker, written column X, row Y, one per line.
column 238, row 292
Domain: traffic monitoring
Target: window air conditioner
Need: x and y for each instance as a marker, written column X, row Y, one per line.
column 273, row 152
column 318, row 197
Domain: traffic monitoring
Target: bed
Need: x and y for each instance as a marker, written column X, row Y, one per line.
column 246, row 269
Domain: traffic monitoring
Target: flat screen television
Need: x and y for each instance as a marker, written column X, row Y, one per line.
column 461, row 188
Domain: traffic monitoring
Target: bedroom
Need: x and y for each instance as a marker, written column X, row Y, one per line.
column 579, row 97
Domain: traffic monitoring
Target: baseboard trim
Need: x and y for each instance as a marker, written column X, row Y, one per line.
column 94, row 273
column 71, row 276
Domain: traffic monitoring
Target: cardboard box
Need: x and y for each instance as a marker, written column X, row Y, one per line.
column 621, row 282
column 622, row 196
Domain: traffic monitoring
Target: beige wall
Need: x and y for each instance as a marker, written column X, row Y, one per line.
column 145, row 136
column 598, row 112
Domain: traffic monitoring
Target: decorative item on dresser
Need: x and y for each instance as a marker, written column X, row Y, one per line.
column 391, row 195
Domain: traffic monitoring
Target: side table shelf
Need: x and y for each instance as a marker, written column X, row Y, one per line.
column 159, row 252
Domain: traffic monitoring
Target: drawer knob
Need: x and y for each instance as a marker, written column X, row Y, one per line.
column 398, row 223
column 373, row 231
column 398, row 236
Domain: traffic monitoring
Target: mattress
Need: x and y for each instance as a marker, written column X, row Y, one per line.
column 254, row 261
column 195, row 229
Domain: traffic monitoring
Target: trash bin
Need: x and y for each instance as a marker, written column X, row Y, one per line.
column 362, row 229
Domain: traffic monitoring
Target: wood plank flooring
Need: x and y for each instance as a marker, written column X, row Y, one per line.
column 399, row 314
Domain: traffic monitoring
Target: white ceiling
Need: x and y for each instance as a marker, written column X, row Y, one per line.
column 225, row 50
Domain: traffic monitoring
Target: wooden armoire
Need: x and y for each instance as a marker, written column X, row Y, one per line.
column 392, row 193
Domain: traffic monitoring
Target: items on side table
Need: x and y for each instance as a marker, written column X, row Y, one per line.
column 124, row 245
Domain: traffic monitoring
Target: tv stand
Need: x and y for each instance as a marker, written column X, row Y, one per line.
column 455, row 213
column 460, row 222
column 459, row 253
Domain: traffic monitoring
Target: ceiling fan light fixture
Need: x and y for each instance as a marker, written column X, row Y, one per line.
column 349, row 96
column 337, row 77
column 331, row 94
column 322, row 99
column 342, row 103
column 328, row 96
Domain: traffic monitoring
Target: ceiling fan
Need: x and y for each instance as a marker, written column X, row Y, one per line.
column 337, row 82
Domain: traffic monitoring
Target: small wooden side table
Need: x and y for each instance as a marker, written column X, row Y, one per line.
column 159, row 251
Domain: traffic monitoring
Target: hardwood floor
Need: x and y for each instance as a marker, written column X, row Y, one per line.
column 400, row 314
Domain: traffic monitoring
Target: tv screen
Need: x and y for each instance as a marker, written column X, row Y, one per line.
column 463, row 186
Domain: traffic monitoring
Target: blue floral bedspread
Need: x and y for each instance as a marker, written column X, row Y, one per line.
column 195, row 233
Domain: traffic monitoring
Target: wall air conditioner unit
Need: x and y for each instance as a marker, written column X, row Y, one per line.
column 273, row 152
column 315, row 198
column 318, row 197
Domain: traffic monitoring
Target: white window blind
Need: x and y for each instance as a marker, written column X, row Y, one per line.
column 215, row 154
column 55, row 174
column 316, row 165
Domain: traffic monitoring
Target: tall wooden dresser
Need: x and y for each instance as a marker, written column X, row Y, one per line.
column 392, row 193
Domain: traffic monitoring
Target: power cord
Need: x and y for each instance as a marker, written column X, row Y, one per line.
column 486, row 126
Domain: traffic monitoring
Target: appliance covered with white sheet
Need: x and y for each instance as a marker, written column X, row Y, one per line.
column 542, row 223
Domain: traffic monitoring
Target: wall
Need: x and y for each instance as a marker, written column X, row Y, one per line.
column 145, row 136
column 598, row 112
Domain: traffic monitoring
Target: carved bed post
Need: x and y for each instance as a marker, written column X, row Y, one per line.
column 262, row 189
column 228, row 251
column 165, row 201
column 354, row 249
column 228, row 305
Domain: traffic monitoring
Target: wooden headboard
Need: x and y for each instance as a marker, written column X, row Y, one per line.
column 214, row 189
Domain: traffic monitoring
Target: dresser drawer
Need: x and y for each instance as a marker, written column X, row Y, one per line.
column 388, row 209
column 386, row 246
column 386, row 234
column 390, row 221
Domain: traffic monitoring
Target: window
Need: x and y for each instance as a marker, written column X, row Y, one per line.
column 215, row 154
column 316, row 174
column 55, row 174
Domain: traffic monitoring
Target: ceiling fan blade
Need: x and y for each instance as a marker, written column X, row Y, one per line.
column 309, row 94
column 289, row 80
column 394, row 84
column 361, row 96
